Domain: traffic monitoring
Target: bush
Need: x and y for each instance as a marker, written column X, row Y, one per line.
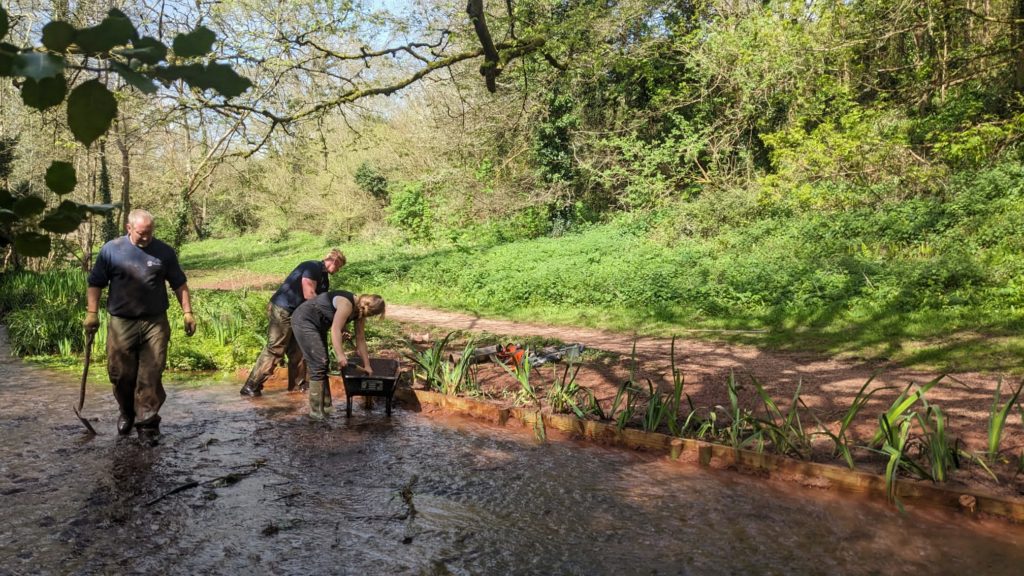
column 408, row 211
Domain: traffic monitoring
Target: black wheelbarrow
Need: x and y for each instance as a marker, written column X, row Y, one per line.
column 380, row 384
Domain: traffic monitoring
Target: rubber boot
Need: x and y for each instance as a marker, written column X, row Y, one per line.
column 316, row 400
column 328, row 400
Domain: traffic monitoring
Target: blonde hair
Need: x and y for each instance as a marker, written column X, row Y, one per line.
column 336, row 255
column 370, row 305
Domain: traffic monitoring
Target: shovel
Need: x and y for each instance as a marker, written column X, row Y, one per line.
column 85, row 375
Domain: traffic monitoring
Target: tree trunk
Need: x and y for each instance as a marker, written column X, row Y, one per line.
column 1018, row 41
column 126, row 175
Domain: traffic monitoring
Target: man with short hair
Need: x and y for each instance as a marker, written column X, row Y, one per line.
column 308, row 279
column 136, row 268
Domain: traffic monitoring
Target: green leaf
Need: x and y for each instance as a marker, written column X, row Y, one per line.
column 219, row 77
column 224, row 80
column 7, row 54
column 58, row 35
column 36, row 65
column 32, row 244
column 65, row 218
column 7, row 217
column 3, row 22
column 115, row 30
column 100, row 208
column 60, row 177
column 146, row 49
column 142, row 83
column 198, row 42
column 91, row 109
column 28, row 206
column 45, row 93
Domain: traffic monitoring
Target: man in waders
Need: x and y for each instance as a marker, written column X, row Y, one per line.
column 306, row 281
column 136, row 267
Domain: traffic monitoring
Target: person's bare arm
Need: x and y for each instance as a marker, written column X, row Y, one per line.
column 341, row 314
column 361, row 345
column 185, row 299
column 92, row 299
column 308, row 289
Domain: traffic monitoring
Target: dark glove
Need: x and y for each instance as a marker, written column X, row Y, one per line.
column 190, row 324
column 91, row 323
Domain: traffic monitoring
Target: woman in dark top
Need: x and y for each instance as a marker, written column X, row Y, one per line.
column 331, row 311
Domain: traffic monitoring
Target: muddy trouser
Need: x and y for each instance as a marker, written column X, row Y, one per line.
column 310, row 331
column 136, row 357
column 280, row 342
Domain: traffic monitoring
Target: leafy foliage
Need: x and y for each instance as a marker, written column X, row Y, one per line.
column 111, row 48
column 370, row 180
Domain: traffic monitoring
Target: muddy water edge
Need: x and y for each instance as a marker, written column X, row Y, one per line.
column 237, row 485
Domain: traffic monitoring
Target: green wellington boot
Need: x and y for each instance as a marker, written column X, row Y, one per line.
column 316, row 400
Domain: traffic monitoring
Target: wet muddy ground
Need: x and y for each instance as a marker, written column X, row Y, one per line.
column 238, row 485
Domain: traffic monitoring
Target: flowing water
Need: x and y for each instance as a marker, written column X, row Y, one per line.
column 249, row 486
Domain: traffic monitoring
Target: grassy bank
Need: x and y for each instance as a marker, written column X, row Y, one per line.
column 930, row 281
column 926, row 282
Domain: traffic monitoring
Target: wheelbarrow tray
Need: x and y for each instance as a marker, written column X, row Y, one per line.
column 380, row 384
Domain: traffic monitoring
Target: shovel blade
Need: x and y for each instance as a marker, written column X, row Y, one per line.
column 84, row 422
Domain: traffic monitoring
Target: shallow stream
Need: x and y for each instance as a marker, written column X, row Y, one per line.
column 250, row 486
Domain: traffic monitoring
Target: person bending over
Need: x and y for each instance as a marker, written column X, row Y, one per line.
column 306, row 281
column 331, row 312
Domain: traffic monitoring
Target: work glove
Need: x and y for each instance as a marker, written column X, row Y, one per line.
column 91, row 323
column 190, row 324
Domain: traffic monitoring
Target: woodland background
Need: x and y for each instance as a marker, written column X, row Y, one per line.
column 846, row 175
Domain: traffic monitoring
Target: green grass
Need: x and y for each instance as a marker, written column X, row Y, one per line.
column 769, row 285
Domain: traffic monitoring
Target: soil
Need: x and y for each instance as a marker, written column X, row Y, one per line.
column 827, row 386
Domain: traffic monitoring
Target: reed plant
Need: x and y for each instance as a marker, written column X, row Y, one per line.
column 784, row 431
column 626, row 396
column 895, row 443
column 526, row 394
column 841, row 443
column 708, row 429
column 455, row 376
column 566, row 396
column 44, row 311
column 942, row 454
column 624, row 404
column 900, row 405
column 742, row 430
column 672, row 413
column 997, row 419
column 428, row 363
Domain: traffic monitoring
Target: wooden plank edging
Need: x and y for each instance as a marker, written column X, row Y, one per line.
column 811, row 473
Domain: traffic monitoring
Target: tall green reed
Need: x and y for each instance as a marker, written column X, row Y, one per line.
column 997, row 419
column 428, row 363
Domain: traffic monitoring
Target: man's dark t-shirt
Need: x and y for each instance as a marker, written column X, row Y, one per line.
column 136, row 277
column 289, row 295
